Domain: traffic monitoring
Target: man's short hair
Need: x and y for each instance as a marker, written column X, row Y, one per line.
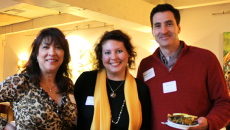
column 163, row 8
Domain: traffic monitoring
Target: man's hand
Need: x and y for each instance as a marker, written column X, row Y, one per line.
column 203, row 124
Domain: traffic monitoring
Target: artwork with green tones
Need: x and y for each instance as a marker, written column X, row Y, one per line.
column 226, row 59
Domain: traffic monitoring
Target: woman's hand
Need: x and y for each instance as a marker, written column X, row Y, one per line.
column 203, row 124
column 10, row 126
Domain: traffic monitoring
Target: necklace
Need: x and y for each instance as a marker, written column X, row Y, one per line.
column 50, row 89
column 119, row 117
column 113, row 95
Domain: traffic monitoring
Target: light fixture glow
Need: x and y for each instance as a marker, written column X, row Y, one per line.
column 23, row 58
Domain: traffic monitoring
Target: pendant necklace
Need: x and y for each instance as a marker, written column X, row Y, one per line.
column 113, row 94
column 49, row 89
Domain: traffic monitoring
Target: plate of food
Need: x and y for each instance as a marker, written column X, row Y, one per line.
column 181, row 121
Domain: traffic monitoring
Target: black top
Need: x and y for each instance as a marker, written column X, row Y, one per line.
column 85, row 86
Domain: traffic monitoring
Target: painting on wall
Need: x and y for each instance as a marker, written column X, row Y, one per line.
column 226, row 59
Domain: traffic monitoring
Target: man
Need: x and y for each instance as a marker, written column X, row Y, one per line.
column 182, row 78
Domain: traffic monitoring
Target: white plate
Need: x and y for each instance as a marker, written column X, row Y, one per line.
column 178, row 126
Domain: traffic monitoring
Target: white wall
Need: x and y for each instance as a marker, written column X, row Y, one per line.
column 202, row 29
column 15, row 45
column 198, row 28
column 21, row 42
column 2, row 38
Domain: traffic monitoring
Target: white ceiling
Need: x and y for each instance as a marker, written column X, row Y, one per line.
column 130, row 13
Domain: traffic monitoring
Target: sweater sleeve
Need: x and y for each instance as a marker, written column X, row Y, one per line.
column 8, row 92
column 3, row 123
column 219, row 115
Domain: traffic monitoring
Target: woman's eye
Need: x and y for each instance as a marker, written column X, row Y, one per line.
column 58, row 47
column 45, row 47
column 119, row 51
column 107, row 52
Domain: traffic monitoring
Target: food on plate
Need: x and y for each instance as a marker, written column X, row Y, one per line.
column 183, row 119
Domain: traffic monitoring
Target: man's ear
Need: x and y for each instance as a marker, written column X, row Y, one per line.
column 179, row 29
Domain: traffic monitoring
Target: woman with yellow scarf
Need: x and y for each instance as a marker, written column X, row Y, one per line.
column 110, row 98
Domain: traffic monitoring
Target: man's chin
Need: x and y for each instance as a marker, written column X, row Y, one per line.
column 164, row 44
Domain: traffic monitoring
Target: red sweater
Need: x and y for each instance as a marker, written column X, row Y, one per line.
column 200, row 83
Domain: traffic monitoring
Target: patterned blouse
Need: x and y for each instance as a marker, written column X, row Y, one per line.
column 33, row 108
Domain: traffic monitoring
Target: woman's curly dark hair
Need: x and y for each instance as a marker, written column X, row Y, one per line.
column 32, row 68
column 117, row 35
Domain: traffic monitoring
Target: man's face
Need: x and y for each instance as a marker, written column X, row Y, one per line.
column 165, row 29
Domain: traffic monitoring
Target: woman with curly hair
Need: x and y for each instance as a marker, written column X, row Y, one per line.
column 110, row 97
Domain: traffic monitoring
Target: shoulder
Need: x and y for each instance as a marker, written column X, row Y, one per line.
column 15, row 84
column 69, row 84
column 85, row 84
column 141, row 86
column 201, row 53
column 147, row 58
column 151, row 58
column 188, row 49
column 87, row 77
column 93, row 72
column 88, row 74
column 17, row 78
column 21, row 76
column 145, row 63
column 200, row 50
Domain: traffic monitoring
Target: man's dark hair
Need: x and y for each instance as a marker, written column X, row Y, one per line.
column 163, row 8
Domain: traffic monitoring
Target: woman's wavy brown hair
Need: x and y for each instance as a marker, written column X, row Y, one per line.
column 63, row 74
column 117, row 35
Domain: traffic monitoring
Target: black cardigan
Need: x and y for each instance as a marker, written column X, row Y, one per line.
column 85, row 86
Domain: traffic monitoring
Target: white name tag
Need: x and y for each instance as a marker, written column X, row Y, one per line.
column 72, row 99
column 169, row 87
column 89, row 101
column 149, row 74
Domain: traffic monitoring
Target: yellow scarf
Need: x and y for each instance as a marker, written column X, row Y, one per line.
column 102, row 112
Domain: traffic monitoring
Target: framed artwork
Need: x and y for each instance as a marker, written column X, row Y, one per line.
column 226, row 59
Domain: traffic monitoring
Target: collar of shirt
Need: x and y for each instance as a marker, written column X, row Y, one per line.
column 170, row 61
